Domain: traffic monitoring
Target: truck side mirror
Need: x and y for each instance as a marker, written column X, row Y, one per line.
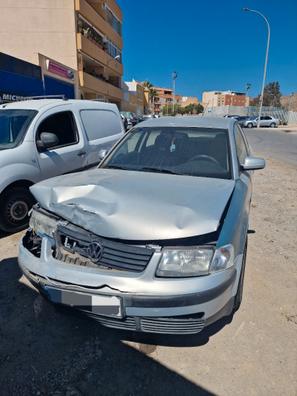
column 47, row 140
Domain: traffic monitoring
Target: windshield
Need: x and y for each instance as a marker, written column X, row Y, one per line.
column 13, row 126
column 183, row 151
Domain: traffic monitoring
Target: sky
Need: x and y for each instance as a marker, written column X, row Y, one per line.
column 211, row 44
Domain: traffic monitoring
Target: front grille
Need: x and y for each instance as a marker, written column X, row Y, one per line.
column 128, row 323
column 73, row 244
column 163, row 325
column 172, row 325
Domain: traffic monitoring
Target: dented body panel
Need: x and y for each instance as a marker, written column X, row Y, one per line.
column 105, row 201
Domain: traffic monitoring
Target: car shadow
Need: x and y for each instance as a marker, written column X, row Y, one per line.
column 45, row 351
column 3, row 234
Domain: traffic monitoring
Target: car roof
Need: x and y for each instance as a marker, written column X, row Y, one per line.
column 189, row 121
column 38, row 104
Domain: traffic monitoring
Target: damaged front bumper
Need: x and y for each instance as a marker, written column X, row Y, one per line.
column 137, row 301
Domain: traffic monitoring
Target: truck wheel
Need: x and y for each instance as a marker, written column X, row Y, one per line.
column 15, row 204
column 238, row 297
column 250, row 125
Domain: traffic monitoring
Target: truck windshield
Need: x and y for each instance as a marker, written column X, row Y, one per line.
column 13, row 126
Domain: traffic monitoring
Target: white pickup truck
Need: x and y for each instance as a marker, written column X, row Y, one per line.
column 43, row 138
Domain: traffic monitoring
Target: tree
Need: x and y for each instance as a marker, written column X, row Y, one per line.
column 271, row 96
column 152, row 94
column 190, row 108
column 199, row 108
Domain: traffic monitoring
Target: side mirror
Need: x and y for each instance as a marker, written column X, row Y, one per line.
column 253, row 163
column 47, row 140
column 102, row 154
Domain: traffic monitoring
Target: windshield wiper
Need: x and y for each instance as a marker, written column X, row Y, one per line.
column 115, row 167
column 157, row 170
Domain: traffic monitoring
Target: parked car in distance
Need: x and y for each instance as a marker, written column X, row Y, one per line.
column 131, row 118
column 125, row 121
column 265, row 121
column 148, row 117
column 45, row 138
column 241, row 120
column 231, row 116
column 155, row 239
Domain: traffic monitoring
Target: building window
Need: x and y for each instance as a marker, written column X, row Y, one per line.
column 114, row 22
column 87, row 30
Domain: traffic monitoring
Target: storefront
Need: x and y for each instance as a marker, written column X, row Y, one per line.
column 20, row 79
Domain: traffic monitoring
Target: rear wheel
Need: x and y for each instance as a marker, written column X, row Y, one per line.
column 238, row 297
column 15, row 204
column 250, row 125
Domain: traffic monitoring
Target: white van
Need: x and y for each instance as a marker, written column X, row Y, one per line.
column 43, row 138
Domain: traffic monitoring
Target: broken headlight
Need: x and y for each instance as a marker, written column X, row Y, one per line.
column 42, row 224
column 197, row 261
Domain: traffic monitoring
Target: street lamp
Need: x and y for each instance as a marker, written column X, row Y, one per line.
column 266, row 60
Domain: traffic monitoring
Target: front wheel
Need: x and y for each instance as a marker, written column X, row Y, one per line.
column 250, row 125
column 15, row 204
column 273, row 125
column 238, row 297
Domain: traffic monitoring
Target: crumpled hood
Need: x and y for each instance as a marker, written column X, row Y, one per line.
column 136, row 205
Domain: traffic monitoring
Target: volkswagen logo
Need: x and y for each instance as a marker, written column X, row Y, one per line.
column 94, row 251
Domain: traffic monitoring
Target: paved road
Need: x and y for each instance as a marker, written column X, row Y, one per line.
column 44, row 351
column 275, row 143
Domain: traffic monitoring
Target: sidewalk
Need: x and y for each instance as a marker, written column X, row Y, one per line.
column 288, row 128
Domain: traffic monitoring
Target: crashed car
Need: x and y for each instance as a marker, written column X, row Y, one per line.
column 155, row 238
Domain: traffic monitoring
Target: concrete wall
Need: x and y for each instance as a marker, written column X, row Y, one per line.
column 29, row 27
column 289, row 117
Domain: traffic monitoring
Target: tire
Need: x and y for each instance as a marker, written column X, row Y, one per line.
column 238, row 297
column 273, row 125
column 15, row 204
column 250, row 125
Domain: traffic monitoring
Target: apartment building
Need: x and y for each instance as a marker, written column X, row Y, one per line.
column 83, row 35
column 187, row 100
column 224, row 98
column 134, row 98
column 164, row 97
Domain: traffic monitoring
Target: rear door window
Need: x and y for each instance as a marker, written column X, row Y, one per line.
column 100, row 123
column 63, row 125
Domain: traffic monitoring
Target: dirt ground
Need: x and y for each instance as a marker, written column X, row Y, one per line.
column 48, row 352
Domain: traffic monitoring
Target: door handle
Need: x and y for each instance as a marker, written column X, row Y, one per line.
column 81, row 153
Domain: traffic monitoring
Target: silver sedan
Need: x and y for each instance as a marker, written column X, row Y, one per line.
column 155, row 239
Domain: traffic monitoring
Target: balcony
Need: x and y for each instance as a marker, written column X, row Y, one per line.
column 99, row 86
column 94, row 51
column 89, row 13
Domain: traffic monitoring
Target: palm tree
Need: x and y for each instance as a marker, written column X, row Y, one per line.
column 152, row 94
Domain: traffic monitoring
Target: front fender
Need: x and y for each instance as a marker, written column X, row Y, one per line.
column 15, row 172
column 236, row 221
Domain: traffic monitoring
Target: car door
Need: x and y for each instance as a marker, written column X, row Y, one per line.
column 243, row 150
column 263, row 121
column 69, row 154
column 103, row 128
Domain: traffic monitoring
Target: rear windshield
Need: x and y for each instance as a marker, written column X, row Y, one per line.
column 13, row 126
column 178, row 150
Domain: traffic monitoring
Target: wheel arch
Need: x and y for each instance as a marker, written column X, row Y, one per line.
column 17, row 183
